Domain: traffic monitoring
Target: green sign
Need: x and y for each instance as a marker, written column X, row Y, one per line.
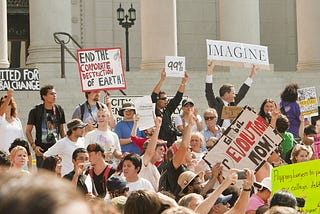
column 301, row 179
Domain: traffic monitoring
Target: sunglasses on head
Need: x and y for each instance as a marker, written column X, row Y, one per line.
column 210, row 118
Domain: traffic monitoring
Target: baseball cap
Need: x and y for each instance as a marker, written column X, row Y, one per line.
column 187, row 101
column 115, row 183
column 76, row 123
column 223, row 199
column 265, row 183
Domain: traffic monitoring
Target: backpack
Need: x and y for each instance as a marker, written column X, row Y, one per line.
column 83, row 106
column 105, row 175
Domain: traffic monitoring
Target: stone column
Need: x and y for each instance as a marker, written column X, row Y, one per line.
column 4, row 62
column 158, row 32
column 46, row 18
column 308, row 31
column 239, row 21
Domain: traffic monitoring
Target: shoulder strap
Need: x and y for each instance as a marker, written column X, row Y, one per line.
column 106, row 172
column 91, row 172
column 82, row 107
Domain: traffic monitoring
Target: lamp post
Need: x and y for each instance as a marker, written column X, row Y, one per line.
column 126, row 24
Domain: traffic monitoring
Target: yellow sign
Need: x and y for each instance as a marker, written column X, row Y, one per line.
column 301, row 179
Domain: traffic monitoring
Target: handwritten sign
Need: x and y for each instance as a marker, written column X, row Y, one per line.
column 223, row 51
column 307, row 98
column 301, row 179
column 101, row 69
column 247, row 143
column 175, row 66
column 19, row 79
column 230, row 112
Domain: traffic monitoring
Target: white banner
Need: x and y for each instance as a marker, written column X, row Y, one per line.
column 101, row 69
column 237, row 52
column 247, row 143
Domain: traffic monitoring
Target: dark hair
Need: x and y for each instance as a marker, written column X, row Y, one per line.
column 290, row 93
column 86, row 94
column 310, row 129
column 261, row 112
column 142, row 201
column 95, row 147
column 282, row 123
column 44, row 90
column 135, row 159
column 226, row 88
column 20, row 142
column 262, row 209
column 50, row 163
column 13, row 104
column 283, row 198
column 77, row 151
column 235, row 191
column 4, row 159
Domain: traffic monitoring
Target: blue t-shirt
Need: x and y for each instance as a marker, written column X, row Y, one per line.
column 123, row 130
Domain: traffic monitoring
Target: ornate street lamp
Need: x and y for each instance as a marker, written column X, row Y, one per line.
column 126, row 24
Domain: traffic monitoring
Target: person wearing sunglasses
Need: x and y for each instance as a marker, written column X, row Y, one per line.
column 165, row 108
column 212, row 131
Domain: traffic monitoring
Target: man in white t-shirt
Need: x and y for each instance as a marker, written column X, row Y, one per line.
column 66, row 146
column 106, row 138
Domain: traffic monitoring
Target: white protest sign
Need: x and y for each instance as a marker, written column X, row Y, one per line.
column 307, row 98
column 247, row 143
column 175, row 66
column 145, row 109
column 237, row 52
column 101, row 69
column 117, row 102
column 19, row 79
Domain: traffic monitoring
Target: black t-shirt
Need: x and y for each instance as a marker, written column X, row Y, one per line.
column 173, row 175
column 100, row 181
column 81, row 185
column 46, row 121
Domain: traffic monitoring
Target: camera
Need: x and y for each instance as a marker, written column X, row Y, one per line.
column 242, row 174
column 51, row 139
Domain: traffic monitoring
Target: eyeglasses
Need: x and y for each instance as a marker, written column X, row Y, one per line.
column 210, row 118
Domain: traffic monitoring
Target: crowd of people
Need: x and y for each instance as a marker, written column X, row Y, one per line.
column 94, row 164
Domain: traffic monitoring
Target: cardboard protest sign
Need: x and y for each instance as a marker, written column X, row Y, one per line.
column 19, row 79
column 175, row 66
column 233, row 53
column 230, row 112
column 307, row 98
column 101, row 69
column 247, row 143
column 316, row 146
column 301, row 179
column 117, row 101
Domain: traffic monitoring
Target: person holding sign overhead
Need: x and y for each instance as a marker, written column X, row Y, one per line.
column 228, row 97
column 10, row 124
column 165, row 109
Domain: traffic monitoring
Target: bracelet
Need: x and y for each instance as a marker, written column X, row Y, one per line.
column 247, row 190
